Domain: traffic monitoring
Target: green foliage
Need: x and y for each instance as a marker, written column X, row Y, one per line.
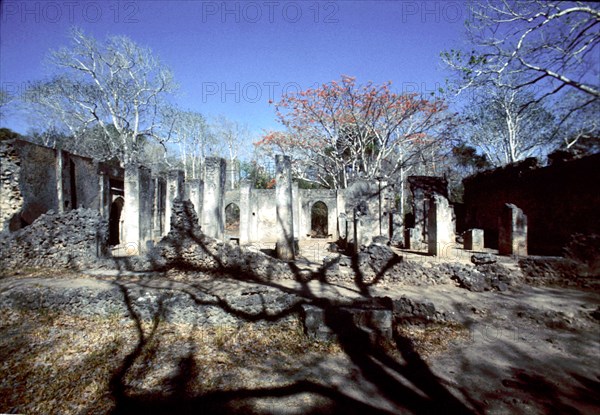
column 257, row 174
column 466, row 156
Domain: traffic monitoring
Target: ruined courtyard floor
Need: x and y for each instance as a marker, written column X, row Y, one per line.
column 523, row 351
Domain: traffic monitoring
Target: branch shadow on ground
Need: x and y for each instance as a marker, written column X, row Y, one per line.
column 394, row 370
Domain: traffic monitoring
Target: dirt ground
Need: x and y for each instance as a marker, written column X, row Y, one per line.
column 528, row 350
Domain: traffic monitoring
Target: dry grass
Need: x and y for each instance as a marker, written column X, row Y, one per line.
column 57, row 363
column 433, row 339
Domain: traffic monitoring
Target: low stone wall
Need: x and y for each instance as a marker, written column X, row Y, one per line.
column 144, row 303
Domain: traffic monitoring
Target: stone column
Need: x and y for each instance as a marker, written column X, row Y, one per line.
column 245, row 189
column 194, row 189
column 158, row 211
column 60, row 184
column 175, row 190
column 512, row 231
column 103, row 188
column 213, row 210
column 296, row 209
column 146, row 198
column 130, row 217
column 473, row 240
column 283, row 200
column 440, row 229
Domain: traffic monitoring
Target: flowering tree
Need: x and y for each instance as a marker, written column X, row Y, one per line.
column 343, row 129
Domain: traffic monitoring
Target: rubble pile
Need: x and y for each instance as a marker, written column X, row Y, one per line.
column 185, row 247
column 69, row 240
column 381, row 262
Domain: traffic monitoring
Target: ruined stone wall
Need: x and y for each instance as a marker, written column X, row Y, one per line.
column 72, row 239
column 263, row 216
column 11, row 199
column 558, row 200
column 308, row 197
column 86, row 182
column 37, row 180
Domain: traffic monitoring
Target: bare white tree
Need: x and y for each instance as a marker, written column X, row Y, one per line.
column 550, row 48
column 116, row 85
column 496, row 124
column 190, row 131
column 231, row 136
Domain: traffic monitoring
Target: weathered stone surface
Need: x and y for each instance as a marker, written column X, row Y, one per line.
column 473, row 240
column 472, row 280
column 440, row 226
column 481, row 259
column 11, row 200
column 371, row 317
column 71, row 239
column 313, row 319
column 512, row 231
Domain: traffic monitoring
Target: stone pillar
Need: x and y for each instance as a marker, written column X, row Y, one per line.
column 175, row 190
column 440, row 229
column 473, row 240
column 283, row 200
column 213, row 210
column 146, row 198
column 103, row 195
column 194, row 189
column 158, row 211
column 512, row 231
column 245, row 189
column 356, row 230
column 60, row 184
column 412, row 239
column 130, row 217
column 296, row 208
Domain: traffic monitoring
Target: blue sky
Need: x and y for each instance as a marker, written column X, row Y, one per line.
column 232, row 57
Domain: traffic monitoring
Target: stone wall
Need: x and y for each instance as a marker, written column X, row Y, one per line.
column 11, row 199
column 72, row 239
column 37, row 180
column 558, row 200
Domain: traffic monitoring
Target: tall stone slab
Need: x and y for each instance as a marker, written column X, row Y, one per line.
column 473, row 240
column 512, row 231
column 440, row 229
column 175, row 190
column 296, row 200
column 137, row 209
column 213, row 209
column 60, row 184
column 245, row 211
column 284, row 208
column 158, row 208
column 194, row 190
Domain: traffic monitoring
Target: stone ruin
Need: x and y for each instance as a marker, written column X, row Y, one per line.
column 134, row 205
column 137, row 204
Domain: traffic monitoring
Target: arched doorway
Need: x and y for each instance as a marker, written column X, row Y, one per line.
column 232, row 219
column 114, row 222
column 318, row 220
